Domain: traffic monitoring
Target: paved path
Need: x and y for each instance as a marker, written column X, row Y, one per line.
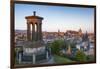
column 50, row 61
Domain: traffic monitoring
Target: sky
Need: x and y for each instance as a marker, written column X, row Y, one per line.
column 56, row 17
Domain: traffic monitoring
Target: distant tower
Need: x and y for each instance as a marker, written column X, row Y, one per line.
column 85, row 37
column 36, row 23
column 80, row 32
column 58, row 32
column 85, row 41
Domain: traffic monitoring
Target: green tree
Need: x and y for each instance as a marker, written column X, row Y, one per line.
column 73, row 45
column 90, row 58
column 56, row 47
column 80, row 56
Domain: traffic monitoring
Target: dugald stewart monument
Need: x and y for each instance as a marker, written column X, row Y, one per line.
column 33, row 50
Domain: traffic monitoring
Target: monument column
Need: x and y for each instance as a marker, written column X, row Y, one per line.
column 40, row 31
column 33, row 31
column 20, row 57
column 28, row 32
column 37, row 30
column 34, row 58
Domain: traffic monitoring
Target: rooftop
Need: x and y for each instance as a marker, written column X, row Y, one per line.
column 34, row 16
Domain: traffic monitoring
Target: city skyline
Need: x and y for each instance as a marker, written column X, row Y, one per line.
column 56, row 17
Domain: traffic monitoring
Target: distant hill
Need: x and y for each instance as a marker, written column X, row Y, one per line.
column 20, row 31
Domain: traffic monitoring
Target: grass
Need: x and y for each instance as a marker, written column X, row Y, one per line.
column 60, row 59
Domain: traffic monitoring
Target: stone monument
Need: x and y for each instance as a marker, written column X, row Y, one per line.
column 36, row 23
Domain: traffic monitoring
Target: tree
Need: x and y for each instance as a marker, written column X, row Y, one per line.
column 80, row 56
column 56, row 47
column 73, row 45
column 90, row 58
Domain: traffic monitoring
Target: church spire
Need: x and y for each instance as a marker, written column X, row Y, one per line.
column 85, row 37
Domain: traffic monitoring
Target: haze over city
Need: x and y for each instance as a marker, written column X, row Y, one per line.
column 56, row 17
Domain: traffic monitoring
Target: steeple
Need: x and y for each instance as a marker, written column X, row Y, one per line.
column 85, row 37
column 80, row 30
column 58, row 32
